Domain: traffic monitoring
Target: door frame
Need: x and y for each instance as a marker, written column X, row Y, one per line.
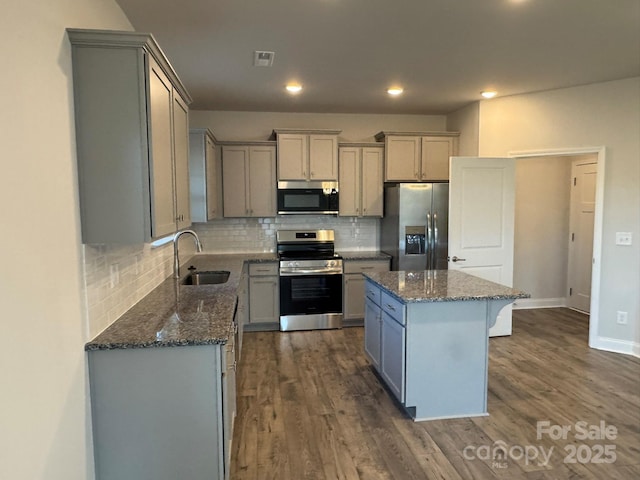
column 596, row 267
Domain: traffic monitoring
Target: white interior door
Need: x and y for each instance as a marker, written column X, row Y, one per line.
column 481, row 223
column 581, row 218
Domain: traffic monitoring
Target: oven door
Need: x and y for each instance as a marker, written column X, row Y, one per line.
column 310, row 294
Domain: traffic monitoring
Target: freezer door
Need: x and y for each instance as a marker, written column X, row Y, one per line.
column 440, row 226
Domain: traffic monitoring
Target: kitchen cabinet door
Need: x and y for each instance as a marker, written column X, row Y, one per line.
column 262, row 182
column 353, row 296
column 361, row 182
column 323, row 157
column 205, row 173
column 163, row 215
column 249, row 181
column 392, row 355
column 372, row 332
column 229, row 403
column 293, row 157
column 264, row 300
column 180, row 113
column 402, row 159
column 350, row 197
column 354, row 285
column 235, row 161
column 372, row 191
column 435, row 158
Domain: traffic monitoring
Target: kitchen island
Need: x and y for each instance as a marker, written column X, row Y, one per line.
column 427, row 335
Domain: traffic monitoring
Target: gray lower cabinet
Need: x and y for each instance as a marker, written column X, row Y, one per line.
column 353, row 285
column 163, row 413
column 385, row 337
column 131, row 116
column 372, row 332
column 264, row 295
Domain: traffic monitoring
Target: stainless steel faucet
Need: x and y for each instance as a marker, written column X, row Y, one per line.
column 176, row 255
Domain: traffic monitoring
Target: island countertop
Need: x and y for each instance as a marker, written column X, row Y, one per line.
column 441, row 286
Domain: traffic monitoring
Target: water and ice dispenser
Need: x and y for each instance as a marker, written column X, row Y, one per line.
column 415, row 240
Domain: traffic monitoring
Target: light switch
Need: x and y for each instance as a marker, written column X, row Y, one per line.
column 623, row 238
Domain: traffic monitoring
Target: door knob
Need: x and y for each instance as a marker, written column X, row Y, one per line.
column 456, row 259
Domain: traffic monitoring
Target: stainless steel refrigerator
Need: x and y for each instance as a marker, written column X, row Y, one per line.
column 414, row 229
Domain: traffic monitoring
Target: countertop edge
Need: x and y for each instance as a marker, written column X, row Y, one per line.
column 454, row 298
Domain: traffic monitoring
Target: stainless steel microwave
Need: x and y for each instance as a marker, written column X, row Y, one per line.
column 310, row 198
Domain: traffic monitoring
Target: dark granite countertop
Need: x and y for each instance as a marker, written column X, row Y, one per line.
column 174, row 314
column 360, row 255
column 441, row 286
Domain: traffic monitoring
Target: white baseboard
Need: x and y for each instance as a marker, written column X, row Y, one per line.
column 616, row 346
column 526, row 303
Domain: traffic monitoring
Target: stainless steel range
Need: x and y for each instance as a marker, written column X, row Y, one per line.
column 310, row 280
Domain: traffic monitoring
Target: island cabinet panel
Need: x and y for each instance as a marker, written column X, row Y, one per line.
column 372, row 332
column 131, row 116
column 159, row 413
column 457, row 343
column 392, row 355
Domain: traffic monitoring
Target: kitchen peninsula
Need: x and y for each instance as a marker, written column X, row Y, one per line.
column 427, row 335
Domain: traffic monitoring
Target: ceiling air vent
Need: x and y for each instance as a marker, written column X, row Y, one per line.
column 263, row 59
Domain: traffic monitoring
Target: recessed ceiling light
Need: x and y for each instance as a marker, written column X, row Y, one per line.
column 488, row 94
column 293, row 88
column 395, row 91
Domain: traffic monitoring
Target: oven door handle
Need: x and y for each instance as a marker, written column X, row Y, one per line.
column 309, row 271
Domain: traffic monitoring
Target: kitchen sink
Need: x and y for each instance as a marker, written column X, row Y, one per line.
column 213, row 277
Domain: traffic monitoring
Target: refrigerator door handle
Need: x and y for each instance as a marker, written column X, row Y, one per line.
column 435, row 240
column 429, row 241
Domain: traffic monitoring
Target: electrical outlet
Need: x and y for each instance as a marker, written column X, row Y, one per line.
column 622, row 317
column 114, row 275
column 623, row 238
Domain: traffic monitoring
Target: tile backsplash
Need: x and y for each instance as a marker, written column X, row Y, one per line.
column 257, row 235
column 116, row 277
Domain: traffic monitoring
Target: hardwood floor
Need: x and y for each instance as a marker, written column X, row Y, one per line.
column 311, row 407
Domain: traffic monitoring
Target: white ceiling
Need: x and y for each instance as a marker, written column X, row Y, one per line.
column 346, row 53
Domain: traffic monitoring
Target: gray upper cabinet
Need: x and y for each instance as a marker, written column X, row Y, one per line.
column 418, row 156
column 249, row 179
column 307, row 154
column 205, row 170
column 132, row 137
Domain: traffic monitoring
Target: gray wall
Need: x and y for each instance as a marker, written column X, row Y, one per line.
column 604, row 114
column 44, row 421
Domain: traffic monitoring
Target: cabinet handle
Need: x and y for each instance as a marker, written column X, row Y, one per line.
column 366, row 268
column 391, row 307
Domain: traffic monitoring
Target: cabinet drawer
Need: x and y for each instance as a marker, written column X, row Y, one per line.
column 393, row 307
column 372, row 292
column 258, row 269
column 366, row 266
